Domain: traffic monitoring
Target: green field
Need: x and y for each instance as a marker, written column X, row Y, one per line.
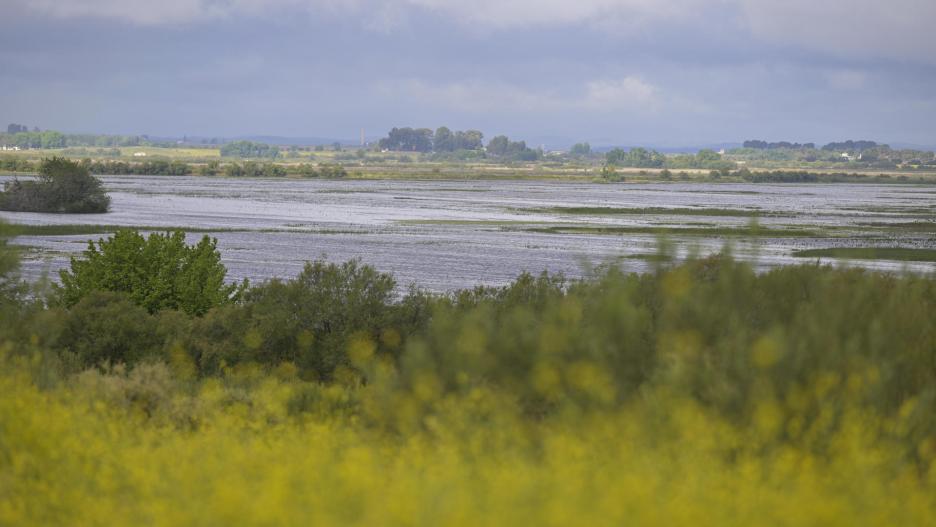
column 415, row 166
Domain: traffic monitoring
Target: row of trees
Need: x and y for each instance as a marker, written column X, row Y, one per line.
column 14, row 128
column 254, row 169
column 635, row 157
column 163, row 167
column 844, row 146
column 444, row 140
column 153, row 167
column 425, row 140
column 20, row 136
column 852, row 146
column 502, row 147
column 247, row 149
column 764, row 145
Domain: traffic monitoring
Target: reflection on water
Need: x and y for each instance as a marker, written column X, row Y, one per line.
column 448, row 234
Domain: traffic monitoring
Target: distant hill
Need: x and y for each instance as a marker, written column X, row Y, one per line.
column 297, row 141
column 910, row 146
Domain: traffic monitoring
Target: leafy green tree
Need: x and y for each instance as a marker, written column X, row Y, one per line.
column 159, row 272
column 707, row 155
column 443, row 140
column 498, row 145
column 469, row 140
column 580, row 149
column 62, row 186
column 635, row 157
column 408, row 140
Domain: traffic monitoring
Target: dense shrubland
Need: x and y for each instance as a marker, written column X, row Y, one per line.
column 700, row 393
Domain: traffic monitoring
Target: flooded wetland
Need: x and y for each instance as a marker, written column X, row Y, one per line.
column 443, row 235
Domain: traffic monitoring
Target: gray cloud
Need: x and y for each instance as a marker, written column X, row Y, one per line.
column 898, row 29
column 611, row 71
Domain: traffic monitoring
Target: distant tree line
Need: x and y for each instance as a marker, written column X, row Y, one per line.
column 704, row 159
column 14, row 128
column 153, row 167
column 254, row 169
column 445, row 141
column 425, row 140
column 249, row 149
column 503, row 148
column 844, row 146
column 162, row 167
column 580, row 150
column 764, row 145
column 19, row 135
column 635, row 157
column 852, row 146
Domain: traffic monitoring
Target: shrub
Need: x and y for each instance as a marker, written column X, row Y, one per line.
column 107, row 328
column 307, row 321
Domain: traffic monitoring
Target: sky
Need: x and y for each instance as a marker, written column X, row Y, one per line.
column 663, row 73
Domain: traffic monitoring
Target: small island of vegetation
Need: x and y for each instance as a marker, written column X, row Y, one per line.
column 63, row 186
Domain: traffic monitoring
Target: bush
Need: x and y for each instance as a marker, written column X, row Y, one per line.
column 310, row 321
column 63, row 186
column 159, row 272
column 107, row 328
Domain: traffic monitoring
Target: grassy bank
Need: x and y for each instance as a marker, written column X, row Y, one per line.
column 678, row 231
column 628, row 211
column 871, row 253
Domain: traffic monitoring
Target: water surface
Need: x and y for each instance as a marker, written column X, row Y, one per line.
column 444, row 235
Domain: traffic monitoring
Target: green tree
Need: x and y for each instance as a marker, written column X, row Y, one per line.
column 635, row 157
column 309, row 321
column 443, row 140
column 62, row 186
column 707, row 155
column 408, row 140
column 469, row 140
column 580, row 149
column 159, row 272
column 107, row 328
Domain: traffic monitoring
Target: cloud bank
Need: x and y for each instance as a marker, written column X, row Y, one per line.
column 897, row 29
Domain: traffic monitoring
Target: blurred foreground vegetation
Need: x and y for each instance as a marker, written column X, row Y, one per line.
column 698, row 394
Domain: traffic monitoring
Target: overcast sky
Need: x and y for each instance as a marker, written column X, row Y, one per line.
column 627, row 72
